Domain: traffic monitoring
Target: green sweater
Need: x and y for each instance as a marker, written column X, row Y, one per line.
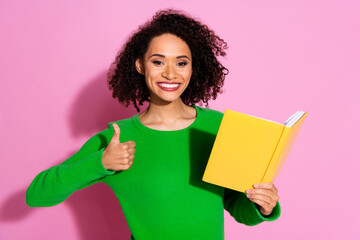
column 162, row 194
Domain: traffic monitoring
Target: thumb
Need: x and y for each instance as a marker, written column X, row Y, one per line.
column 116, row 136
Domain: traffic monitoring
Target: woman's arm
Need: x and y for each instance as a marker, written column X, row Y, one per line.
column 54, row 185
column 244, row 210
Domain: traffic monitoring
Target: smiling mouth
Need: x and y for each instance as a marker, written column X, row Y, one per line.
column 169, row 86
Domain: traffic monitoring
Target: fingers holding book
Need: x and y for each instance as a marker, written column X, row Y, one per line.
column 265, row 195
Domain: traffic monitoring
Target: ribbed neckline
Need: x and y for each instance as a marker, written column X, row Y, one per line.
column 142, row 127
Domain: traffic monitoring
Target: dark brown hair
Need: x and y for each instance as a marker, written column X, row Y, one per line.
column 208, row 75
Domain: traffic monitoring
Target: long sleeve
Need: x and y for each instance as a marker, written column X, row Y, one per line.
column 84, row 168
column 245, row 211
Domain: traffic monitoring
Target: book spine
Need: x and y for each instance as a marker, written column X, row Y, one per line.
column 283, row 150
column 278, row 158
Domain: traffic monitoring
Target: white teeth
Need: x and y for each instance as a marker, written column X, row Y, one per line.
column 167, row 85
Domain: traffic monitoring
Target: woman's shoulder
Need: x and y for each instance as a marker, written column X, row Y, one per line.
column 210, row 117
column 106, row 134
column 211, row 113
column 121, row 123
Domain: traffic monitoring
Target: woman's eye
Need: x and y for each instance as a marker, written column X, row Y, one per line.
column 182, row 63
column 157, row 62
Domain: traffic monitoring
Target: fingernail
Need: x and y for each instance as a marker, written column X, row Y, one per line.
column 256, row 185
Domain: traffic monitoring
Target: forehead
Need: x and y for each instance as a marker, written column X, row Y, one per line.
column 168, row 45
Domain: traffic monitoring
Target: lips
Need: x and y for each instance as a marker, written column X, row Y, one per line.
column 168, row 86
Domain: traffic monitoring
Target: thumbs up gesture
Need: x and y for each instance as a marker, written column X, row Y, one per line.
column 118, row 156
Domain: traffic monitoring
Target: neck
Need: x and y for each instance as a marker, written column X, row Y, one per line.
column 166, row 111
column 168, row 116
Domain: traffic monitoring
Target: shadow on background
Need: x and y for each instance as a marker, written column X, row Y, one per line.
column 14, row 208
column 94, row 108
column 97, row 212
column 96, row 209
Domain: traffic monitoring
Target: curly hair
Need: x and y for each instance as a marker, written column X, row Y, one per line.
column 207, row 79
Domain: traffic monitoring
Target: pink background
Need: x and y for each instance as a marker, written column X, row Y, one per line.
column 283, row 56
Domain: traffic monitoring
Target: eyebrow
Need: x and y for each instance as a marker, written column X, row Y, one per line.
column 160, row 55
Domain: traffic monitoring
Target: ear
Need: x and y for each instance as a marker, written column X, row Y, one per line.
column 139, row 66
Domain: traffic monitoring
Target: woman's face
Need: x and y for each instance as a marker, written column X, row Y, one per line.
column 167, row 68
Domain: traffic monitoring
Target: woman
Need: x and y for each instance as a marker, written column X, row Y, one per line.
column 170, row 62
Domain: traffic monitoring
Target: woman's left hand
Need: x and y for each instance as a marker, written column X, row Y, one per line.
column 265, row 195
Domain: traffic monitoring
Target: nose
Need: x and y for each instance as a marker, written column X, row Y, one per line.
column 169, row 73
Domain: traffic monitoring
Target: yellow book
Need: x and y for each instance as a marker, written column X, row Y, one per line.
column 249, row 150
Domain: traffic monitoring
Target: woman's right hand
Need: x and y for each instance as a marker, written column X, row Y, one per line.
column 118, row 156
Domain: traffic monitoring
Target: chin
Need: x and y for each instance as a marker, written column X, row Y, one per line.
column 170, row 100
column 167, row 99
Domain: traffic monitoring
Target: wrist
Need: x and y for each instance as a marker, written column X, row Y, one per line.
column 104, row 160
column 263, row 211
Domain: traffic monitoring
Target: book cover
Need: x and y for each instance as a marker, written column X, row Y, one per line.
column 249, row 150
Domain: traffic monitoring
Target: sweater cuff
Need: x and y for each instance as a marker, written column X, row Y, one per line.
column 103, row 170
column 275, row 214
column 90, row 167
